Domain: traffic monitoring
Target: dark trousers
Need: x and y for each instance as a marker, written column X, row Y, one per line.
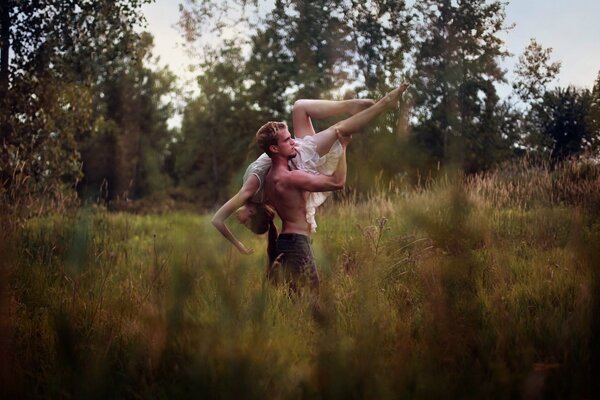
column 298, row 263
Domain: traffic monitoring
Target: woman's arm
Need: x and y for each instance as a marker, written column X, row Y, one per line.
column 249, row 188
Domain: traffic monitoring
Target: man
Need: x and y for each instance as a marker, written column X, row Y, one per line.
column 287, row 189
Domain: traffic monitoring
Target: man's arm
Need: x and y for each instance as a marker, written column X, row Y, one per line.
column 322, row 183
column 249, row 188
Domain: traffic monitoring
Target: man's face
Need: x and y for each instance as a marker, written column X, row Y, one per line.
column 286, row 146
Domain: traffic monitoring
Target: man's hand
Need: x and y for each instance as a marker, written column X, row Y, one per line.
column 344, row 140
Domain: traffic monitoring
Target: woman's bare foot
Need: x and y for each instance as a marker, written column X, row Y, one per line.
column 358, row 121
column 391, row 99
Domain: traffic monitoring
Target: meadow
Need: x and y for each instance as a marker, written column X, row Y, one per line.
column 465, row 287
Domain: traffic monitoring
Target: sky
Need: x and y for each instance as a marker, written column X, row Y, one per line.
column 570, row 27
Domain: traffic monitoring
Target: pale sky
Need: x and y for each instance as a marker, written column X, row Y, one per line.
column 570, row 27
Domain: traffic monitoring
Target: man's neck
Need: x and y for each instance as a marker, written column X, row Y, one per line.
column 279, row 162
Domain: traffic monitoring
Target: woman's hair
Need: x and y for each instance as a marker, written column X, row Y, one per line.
column 259, row 222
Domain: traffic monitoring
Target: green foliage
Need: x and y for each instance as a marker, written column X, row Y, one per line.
column 592, row 144
column 561, row 117
column 128, row 150
column 217, row 128
column 301, row 49
column 324, row 42
column 270, row 68
column 83, row 105
column 318, row 42
column 558, row 123
column 534, row 71
column 380, row 32
column 53, row 54
column 457, row 54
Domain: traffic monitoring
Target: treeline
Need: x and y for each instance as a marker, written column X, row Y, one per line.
column 84, row 111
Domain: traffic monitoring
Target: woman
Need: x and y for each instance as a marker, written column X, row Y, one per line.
column 317, row 153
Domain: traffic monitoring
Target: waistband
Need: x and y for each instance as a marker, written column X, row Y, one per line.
column 294, row 237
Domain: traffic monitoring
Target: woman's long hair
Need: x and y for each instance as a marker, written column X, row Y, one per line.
column 263, row 221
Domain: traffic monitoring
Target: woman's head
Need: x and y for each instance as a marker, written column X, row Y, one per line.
column 255, row 217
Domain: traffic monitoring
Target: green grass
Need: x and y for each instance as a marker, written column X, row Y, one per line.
column 437, row 293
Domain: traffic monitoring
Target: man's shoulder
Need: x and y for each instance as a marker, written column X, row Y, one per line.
column 292, row 178
column 279, row 175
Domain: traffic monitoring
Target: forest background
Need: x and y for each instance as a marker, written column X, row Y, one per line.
column 460, row 261
column 85, row 109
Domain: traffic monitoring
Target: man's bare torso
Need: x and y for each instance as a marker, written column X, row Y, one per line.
column 289, row 202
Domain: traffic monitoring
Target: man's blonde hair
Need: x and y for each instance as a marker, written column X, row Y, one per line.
column 267, row 135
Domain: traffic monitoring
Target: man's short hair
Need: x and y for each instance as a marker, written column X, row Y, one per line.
column 267, row 135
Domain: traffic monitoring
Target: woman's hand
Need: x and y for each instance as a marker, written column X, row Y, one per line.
column 243, row 249
column 246, row 192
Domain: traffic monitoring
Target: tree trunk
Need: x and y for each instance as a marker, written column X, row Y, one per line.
column 4, row 47
column 5, row 177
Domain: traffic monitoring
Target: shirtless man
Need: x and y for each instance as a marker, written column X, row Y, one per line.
column 287, row 189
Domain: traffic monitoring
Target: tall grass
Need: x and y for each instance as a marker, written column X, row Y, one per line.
column 472, row 287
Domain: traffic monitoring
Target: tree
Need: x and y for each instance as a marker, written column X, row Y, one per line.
column 592, row 144
column 549, row 120
column 270, row 68
column 312, row 49
column 457, row 53
column 60, row 50
column 380, row 32
column 318, row 40
column 127, row 151
column 561, row 117
column 534, row 71
column 217, row 128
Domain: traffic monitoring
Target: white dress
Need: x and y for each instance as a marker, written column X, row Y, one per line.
column 307, row 159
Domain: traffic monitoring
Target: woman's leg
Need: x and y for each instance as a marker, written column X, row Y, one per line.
column 304, row 109
column 356, row 122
